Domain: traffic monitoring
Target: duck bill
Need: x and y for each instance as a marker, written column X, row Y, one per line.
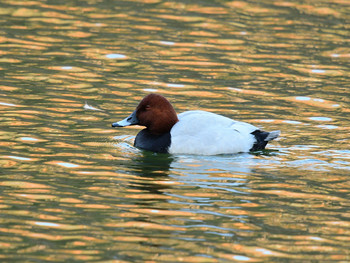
column 131, row 120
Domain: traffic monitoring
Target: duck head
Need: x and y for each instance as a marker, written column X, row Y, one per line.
column 155, row 112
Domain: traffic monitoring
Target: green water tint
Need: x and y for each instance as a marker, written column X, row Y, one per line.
column 75, row 190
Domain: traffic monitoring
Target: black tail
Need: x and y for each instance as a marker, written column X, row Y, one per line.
column 262, row 138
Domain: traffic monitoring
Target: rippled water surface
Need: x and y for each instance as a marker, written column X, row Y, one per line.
column 75, row 190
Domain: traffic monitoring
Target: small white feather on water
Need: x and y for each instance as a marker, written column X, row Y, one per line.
column 88, row 107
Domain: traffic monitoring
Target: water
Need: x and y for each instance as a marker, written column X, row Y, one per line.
column 75, row 190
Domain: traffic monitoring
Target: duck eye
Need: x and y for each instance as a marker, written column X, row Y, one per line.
column 147, row 107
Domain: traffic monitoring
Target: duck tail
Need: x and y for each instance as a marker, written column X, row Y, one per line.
column 262, row 138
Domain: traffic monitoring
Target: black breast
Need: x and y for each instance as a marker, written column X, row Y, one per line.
column 153, row 142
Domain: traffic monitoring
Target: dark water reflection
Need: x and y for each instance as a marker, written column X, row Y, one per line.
column 75, row 190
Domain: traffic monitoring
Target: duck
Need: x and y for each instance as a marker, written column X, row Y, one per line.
column 193, row 132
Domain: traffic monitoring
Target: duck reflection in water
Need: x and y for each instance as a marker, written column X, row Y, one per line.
column 149, row 164
column 152, row 168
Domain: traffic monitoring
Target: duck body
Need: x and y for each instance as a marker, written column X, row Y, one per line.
column 201, row 132
column 192, row 132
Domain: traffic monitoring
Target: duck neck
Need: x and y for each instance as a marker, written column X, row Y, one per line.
column 163, row 124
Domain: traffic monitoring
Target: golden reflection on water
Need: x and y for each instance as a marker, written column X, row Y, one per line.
column 72, row 188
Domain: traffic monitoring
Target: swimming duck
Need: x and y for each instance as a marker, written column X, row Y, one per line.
column 191, row 132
